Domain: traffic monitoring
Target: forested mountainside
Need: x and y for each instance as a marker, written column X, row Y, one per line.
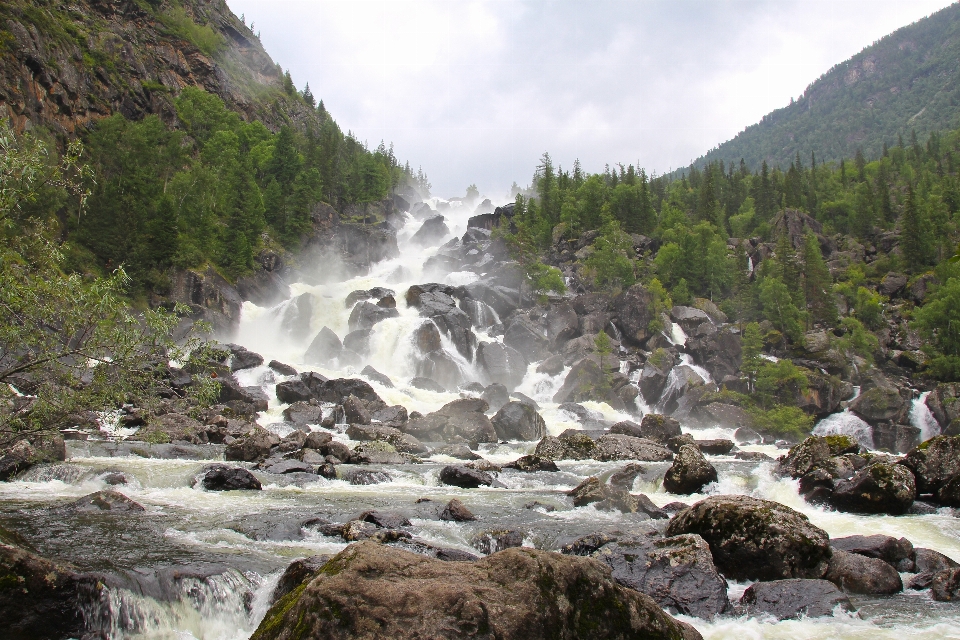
column 200, row 152
column 908, row 81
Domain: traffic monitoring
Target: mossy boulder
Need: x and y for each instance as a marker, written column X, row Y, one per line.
column 936, row 466
column 372, row 590
column 755, row 539
column 690, row 472
column 877, row 488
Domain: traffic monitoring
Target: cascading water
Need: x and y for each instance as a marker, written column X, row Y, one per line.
column 230, row 547
column 846, row 424
column 922, row 418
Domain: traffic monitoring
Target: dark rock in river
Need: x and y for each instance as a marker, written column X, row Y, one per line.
column 101, row 501
column 897, row 553
column 569, row 446
column 461, row 421
column 754, row 539
column 531, row 464
column 220, row 477
column 659, row 428
column 878, row 488
column 945, row 586
column 496, row 396
column 494, row 540
column 456, row 511
column 409, row 596
column 296, row 572
column 936, row 467
column 502, row 363
column 519, row 421
column 325, row 348
column 689, row 473
column 464, row 477
column 795, row 598
column 620, row 447
column 859, row 574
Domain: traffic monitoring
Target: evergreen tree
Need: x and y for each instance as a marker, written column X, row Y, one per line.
column 912, row 240
column 752, row 350
column 817, row 284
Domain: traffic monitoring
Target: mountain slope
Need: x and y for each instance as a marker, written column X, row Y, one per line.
column 63, row 66
column 908, row 81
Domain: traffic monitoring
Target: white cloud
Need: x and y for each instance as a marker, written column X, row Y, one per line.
column 475, row 91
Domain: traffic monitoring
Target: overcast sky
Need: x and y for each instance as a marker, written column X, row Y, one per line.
column 475, row 92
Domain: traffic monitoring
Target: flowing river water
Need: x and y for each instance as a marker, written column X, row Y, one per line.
column 199, row 564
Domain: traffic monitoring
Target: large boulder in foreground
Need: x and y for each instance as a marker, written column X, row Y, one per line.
column 39, row 598
column 690, row 472
column 379, row 591
column 755, row 539
column 855, row 573
column 878, row 488
column 934, row 464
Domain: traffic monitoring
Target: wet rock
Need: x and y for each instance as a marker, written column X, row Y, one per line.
column 392, row 416
column 254, row 446
column 586, row 381
column 795, row 598
column 754, row 539
column 496, row 396
column 354, row 412
column 633, row 311
column 646, row 505
column 527, row 338
column 458, row 451
column 689, row 318
column 317, row 440
column 654, row 375
column 659, row 428
column 112, row 501
column 220, row 477
column 230, row 390
column 625, row 477
column 303, row 413
column 716, row 447
column 502, row 363
column 172, row 427
column 935, row 465
column 745, row 435
column 364, row 477
column 487, row 542
column 385, row 519
column 464, row 477
column 289, row 466
column 677, row 572
column 427, row 337
column 803, row 458
column 431, row 232
column 366, row 314
column 621, row 447
column 242, row 358
column 627, row 428
column 518, row 421
column 291, row 391
column 896, row 553
column 281, row 368
column 883, row 403
column 462, row 421
column 532, row 464
column 573, row 446
column 427, row 385
column 855, row 573
column 324, row 348
column 878, row 488
column 752, row 456
column 413, row 596
column 296, row 572
column 896, row 438
column 455, row 511
column 376, row 376
column 689, row 473
column 402, row 442
column 327, row 470
column 930, row 561
column 40, row 598
column 602, row 496
column 945, row 586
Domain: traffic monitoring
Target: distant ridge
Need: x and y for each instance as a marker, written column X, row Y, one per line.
column 907, row 81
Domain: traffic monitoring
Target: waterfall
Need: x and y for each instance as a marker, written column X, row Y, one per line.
column 676, row 335
column 921, row 418
column 846, row 424
column 687, row 359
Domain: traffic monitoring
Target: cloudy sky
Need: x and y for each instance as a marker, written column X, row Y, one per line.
column 476, row 91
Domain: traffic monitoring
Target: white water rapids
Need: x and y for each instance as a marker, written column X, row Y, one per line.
column 202, row 565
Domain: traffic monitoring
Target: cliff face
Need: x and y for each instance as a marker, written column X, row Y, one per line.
column 63, row 65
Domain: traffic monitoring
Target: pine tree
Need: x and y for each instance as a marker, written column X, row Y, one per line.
column 817, row 284
column 912, row 242
column 752, row 349
column 308, row 96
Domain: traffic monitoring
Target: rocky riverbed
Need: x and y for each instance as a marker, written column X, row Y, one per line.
column 422, row 402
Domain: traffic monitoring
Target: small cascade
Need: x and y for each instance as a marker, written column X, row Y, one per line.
column 846, row 424
column 687, row 360
column 216, row 606
column 481, row 314
column 922, row 418
column 749, row 264
column 618, row 337
column 676, row 335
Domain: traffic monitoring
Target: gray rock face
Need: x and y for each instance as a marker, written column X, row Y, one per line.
column 659, row 428
column 519, row 421
column 621, row 447
column 586, row 381
column 458, row 421
column 326, row 347
column 945, row 586
column 431, row 232
column 296, row 572
column 677, row 572
column 881, row 404
column 878, row 488
column 104, row 501
column 529, row 339
column 855, row 573
column 366, row 314
column 897, row 553
column 603, row 497
column 502, row 364
column 575, row 446
column 496, row 395
column 936, row 467
column 456, row 511
column 633, row 311
column 402, row 442
column 689, row 473
column 754, row 539
column 413, row 596
column 291, row 391
column 791, row 599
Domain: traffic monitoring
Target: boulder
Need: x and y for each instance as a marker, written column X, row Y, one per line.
column 220, row 477
column 241, row 358
column 562, row 324
column 677, row 572
column 402, row 442
column 935, row 465
column 794, row 598
column 392, row 416
column 898, row 553
column 427, row 337
column 494, row 540
column 621, row 447
column 855, row 573
column 455, row 511
column 755, row 539
column 296, row 572
column 727, row 416
column 377, row 377
column 427, row 384
column 405, row 596
column 41, row 598
column 462, row 421
column 253, row 446
column 586, row 381
column 633, row 311
column 324, row 348
column 358, row 341
column 528, row 338
column 496, row 396
column 689, row 318
column 502, row 364
column 624, row 478
column 231, row 390
column 303, row 413
column 519, row 421
column 101, row 501
column 530, row 464
column 812, row 453
column 878, row 488
column 280, row 467
column 945, row 586
column 431, row 232
column 689, row 473
column 883, row 403
column 366, row 314
column 569, row 446
column 291, row 391
column 627, row 428
column 172, row 427
column 281, row 368
column 659, row 428
column 654, row 376
column 464, row 477
column 354, row 412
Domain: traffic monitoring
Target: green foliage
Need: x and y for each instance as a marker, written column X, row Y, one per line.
column 780, row 309
column 752, row 348
column 858, row 340
column 611, row 264
column 868, row 307
column 939, row 322
column 179, row 23
column 783, row 421
column 817, row 284
column 660, row 304
column 780, row 382
column 602, row 344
